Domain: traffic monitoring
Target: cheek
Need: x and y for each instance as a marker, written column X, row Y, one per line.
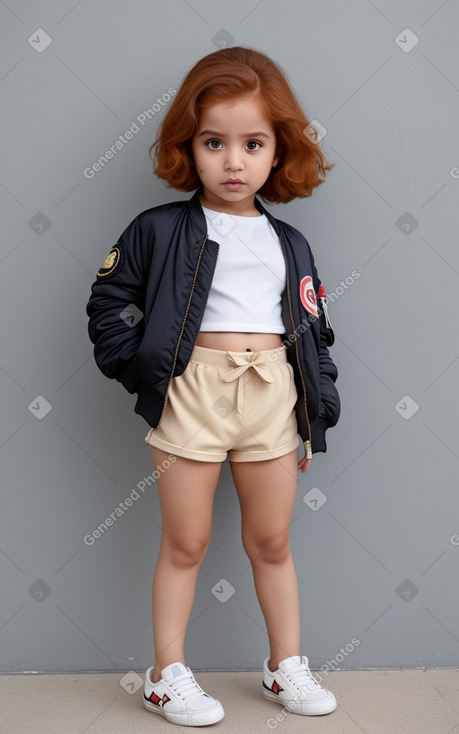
column 200, row 162
column 204, row 165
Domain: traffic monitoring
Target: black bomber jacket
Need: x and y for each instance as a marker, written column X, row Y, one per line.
column 147, row 302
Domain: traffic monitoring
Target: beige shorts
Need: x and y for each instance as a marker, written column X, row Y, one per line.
column 238, row 405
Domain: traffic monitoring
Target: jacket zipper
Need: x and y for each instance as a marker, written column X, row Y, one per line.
column 289, row 298
column 198, row 262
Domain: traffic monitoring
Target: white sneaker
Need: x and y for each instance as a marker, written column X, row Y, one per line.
column 293, row 686
column 179, row 698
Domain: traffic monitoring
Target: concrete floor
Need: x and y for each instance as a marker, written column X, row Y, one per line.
column 375, row 702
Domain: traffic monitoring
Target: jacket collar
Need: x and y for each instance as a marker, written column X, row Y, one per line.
column 197, row 214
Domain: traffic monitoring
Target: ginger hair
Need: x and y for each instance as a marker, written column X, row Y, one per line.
column 234, row 73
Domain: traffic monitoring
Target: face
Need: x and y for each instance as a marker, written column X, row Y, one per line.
column 235, row 143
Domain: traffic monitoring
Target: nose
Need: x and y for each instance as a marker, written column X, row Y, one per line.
column 234, row 160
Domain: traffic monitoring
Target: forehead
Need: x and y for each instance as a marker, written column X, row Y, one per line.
column 235, row 115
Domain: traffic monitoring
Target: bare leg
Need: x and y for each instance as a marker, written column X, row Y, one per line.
column 186, row 492
column 266, row 491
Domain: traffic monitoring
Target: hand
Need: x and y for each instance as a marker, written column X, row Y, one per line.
column 304, row 464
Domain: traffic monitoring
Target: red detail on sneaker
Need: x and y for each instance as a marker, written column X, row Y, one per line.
column 276, row 687
column 154, row 698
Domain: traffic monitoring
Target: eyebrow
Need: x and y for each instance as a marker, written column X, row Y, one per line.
column 259, row 134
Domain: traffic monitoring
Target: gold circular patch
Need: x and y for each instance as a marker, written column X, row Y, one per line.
column 110, row 262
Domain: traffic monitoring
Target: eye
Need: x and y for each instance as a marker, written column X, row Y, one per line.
column 252, row 143
column 210, row 144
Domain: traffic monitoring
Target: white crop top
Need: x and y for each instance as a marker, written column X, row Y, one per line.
column 249, row 277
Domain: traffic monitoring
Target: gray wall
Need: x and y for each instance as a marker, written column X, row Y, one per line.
column 375, row 531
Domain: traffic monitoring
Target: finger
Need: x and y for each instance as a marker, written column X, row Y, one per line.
column 307, row 463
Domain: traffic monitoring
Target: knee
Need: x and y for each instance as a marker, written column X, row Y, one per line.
column 269, row 548
column 186, row 552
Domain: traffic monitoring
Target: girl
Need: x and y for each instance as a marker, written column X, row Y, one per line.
column 211, row 310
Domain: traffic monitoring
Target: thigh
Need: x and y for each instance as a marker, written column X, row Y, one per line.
column 267, row 493
column 186, row 493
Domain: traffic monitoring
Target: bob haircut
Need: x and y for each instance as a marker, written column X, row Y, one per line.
column 229, row 74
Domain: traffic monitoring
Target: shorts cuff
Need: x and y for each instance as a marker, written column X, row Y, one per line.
column 241, row 456
column 158, row 442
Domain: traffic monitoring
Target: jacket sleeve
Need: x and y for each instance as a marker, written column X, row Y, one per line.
column 330, row 407
column 116, row 305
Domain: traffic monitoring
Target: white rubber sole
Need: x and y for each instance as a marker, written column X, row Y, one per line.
column 302, row 708
column 201, row 718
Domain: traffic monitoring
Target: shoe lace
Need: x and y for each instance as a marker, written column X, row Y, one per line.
column 186, row 687
column 302, row 678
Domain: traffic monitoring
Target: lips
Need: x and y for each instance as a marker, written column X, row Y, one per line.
column 234, row 184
